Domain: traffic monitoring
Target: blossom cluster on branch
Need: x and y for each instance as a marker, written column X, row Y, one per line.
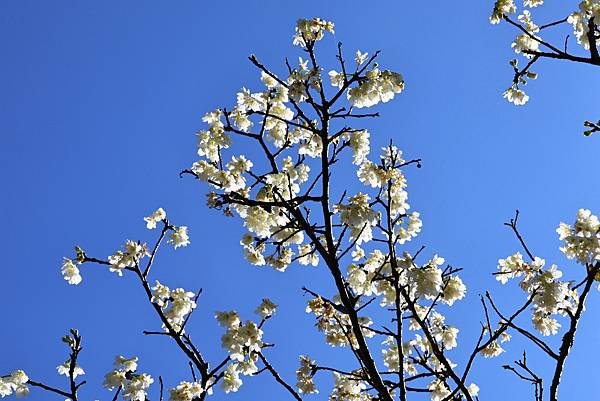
column 530, row 44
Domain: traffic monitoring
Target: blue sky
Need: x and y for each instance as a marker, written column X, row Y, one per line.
column 99, row 102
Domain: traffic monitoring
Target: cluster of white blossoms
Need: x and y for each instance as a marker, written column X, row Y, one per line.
column 266, row 309
column 502, row 8
column 551, row 295
column 588, row 9
column 338, row 79
column 274, row 236
column 334, row 324
column 444, row 334
column 274, row 223
column 129, row 257
column 230, row 180
column 516, row 96
column 311, row 30
column 176, row 304
column 360, row 145
column 286, row 184
column 533, row 3
column 582, row 241
column 243, row 343
column 378, row 86
column 359, row 216
column 70, row 272
column 307, row 255
column 240, row 340
column 365, row 278
column 65, row 369
column 304, row 376
column 440, row 390
column 15, row 383
column 492, row 350
column 391, row 358
column 188, row 391
column 348, row 389
column 426, row 281
column 387, row 175
column 527, row 42
column 211, row 142
column 154, row 218
column 179, row 236
column 134, row 385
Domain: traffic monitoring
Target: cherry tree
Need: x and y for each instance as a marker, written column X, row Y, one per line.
column 306, row 124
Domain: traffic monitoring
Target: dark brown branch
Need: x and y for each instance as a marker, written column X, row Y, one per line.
column 164, row 230
column 513, row 225
column 49, row 388
column 569, row 337
column 533, row 338
column 278, row 378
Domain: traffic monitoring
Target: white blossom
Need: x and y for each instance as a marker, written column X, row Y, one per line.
column 439, row 390
column 304, row 376
column 231, row 379
column 135, row 388
column 348, row 389
column 502, row 8
column 311, row 30
column 337, row 78
column 359, row 216
column 240, row 340
column 582, row 241
column 70, row 272
column 454, row 289
column 524, row 43
column 212, row 141
column 515, row 96
column 154, row 218
column 473, row 389
column 579, row 20
column 361, row 57
column 179, row 237
column 134, row 385
column 64, row 369
column 492, row 350
column 359, row 143
column 266, row 308
column 15, row 383
column 114, row 379
column 129, row 257
column 544, row 323
column 307, row 255
column 378, row 86
column 186, row 391
column 228, row 319
column 427, row 281
column 126, row 364
column 533, row 3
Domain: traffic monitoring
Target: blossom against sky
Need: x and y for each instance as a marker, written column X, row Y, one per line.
column 100, row 104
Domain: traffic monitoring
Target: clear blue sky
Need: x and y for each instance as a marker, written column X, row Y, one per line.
column 99, row 102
